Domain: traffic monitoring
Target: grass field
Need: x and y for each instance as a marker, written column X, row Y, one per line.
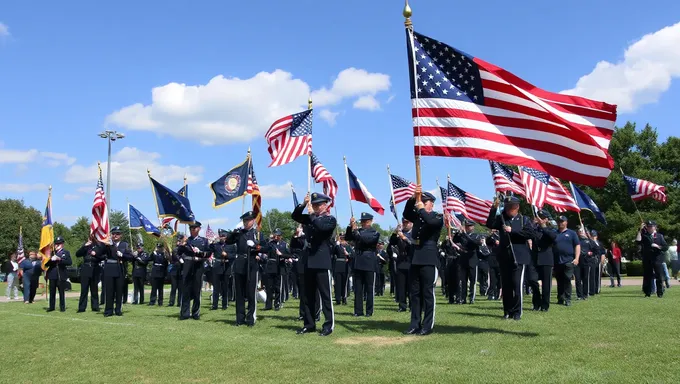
column 616, row 337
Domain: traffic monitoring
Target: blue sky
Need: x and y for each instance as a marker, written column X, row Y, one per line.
column 222, row 73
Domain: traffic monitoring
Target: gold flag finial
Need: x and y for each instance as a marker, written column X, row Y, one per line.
column 148, row 171
column 407, row 14
column 309, row 102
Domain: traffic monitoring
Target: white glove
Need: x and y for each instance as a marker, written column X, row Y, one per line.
column 181, row 261
column 278, row 252
column 250, row 243
column 441, row 253
column 135, row 253
column 195, row 249
column 119, row 253
column 54, row 258
column 394, row 255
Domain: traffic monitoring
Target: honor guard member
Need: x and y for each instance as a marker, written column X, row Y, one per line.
column 427, row 227
column 364, row 262
column 451, row 252
column 596, row 268
column 318, row 228
column 57, row 274
column 175, row 272
column 514, row 253
column 582, row 270
column 402, row 241
column 494, row 291
column 220, row 271
column 159, row 259
column 340, row 270
column 542, row 259
column 89, row 276
column 114, row 276
column 193, row 250
column 380, row 272
column 567, row 251
column 274, row 267
column 139, row 264
column 483, row 255
column 653, row 252
column 468, row 261
column 297, row 248
column 123, row 247
column 249, row 244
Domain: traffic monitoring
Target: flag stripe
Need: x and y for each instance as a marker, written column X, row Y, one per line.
column 100, row 219
column 283, row 145
column 402, row 189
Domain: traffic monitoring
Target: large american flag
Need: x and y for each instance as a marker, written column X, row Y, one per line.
column 20, row 251
column 640, row 189
column 536, row 185
column 465, row 107
column 505, row 179
column 467, row 204
column 402, row 188
column 559, row 197
column 321, row 175
column 289, row 138
column 100, row 217
column 253, row 189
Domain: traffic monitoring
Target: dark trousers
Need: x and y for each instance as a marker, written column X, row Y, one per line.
column 364, row 283
column 102, row 295
column 273, row 284
column 138, row 290
column 221, row 287
column 380, row 283
column 468, row 275
column 157, row 287
column 512, row 283
column 88, row 284
column 55, row 285
column 563, row 275
column 615, row 272
column 423, row 279
column 318, row 283
column 124, row 294
column 540, row 295
column 34, row 288
column 113, row 292
column 494, row 290
column 651, row 272
column 191, row 291
column 441, row 272
column 483, row 277
column 452, row 280
column 401, row 289
column 175, row 289
column 393, row 281
column 582, row 278
column 340, row 287
column 594, row 282
column 245, row 288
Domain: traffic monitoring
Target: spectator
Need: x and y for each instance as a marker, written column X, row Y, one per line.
column 614, row 261
column 28, row 266
column 673, row 256
column 11, row 267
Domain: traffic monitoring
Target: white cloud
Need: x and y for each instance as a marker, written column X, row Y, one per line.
column 646, row 71
column 51, row 159
column 22, row 188
column 66, row 219
column 4, row 30
column 329, row 116
column 54, row 159
column 21, row 169
column 367, row 102
column 128, row 171
column 214, row 222
column 227, row 110
column 273, row 191
column 71, row 196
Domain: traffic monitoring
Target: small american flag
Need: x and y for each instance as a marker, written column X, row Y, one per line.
column 100, row 217
column 20, row 248
column 467, row 204
column 402, row 189
column 253, row 189
column 536, row 185
column 505, row 179
column 209, row 234
column 559, row 198
column 321, row 175
column 463, row 106
column 640, row 189
column 289, row 138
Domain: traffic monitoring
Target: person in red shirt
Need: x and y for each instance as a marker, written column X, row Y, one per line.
column 614, row 259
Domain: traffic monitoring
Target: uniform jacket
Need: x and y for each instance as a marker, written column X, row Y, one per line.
column 56, row 270
column 139, row 264
column 274, row 263
column 318, row 232
column 90, row 266
column 159, row 264
column 244, row 252
column 365, row 243
column 427, row 227
column 542, row 252
column 649, row 253
column 404, row 249
column 222, row 262
column 521, row 231
column 191, row 265
column 470, row 244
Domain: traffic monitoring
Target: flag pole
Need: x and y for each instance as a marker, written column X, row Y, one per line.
column 349, row 190
column 243, row 204
column 631, row 198
column 186, row 230
column 309, row 155
column 407, row 12
column 49, row 199
column 394, row 204
column 129, row 222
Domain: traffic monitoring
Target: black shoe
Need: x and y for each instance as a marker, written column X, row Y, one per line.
column 401, row 310
column 369, row 315
column 544, row 309
column 223, row 308
column 107, row 315
column 95, row 310
column 412, row 331
column 471, row 302
column 300, row 318
column 425, row 332
column 304, row 330
column 560, row 302
column 267, row 309
column 357, row 315
column 536, row 308
column 64, row 310
column 184, row 318
column 50, row 310
column 196, row 317
column 152, row 304
column 80, row 311
column 567, row 303
column 517, row 317
column 506, row 316
column 611, row 286
column 250, row 325
column 119, row 314
column 325, row 332
column 278, row 308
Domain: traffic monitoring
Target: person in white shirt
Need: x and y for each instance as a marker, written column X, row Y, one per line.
column 12, row 269
column 673, row 256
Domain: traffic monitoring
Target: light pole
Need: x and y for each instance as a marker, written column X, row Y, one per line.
column 109, row 136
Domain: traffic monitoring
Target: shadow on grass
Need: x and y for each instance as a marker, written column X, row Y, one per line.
column 472, row 314
column 389, row 325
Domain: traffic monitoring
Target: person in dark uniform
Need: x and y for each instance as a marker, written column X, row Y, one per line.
column 123, row 247
column 582, row 270
column 297, row 248
column 427, row 227
column 468, row 261
column 139, row 265
column 194, row 251
column 542, row 259
column 364, row 262
column 159, row 259
column 318, row 228
column 483, row 254
column 451, row 253
column 494, row 291
column 340, row 269
column 402, row 240
column 35, row 279
column 249, row 244
column 514, row 253
column 275, row 265
column 220, row 271
column 382, row 258
column 89, row 276
column 175, row 272
column 567, row 253
column 114, row 276
column 653, row 248
column 392, row 269
column 57, row 274
column 599, row 253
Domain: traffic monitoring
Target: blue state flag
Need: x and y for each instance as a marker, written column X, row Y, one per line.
column 139, row 221
column 184, row 191
column 171, row 204
column 232, row 186
column 295, row 199
column 586, row 203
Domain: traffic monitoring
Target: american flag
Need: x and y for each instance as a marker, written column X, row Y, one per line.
column 467, row 204
column 20, row 251
column 100, row 217
column 536, row 185
column 253, row 189
column 402, row 189
column 640, row 189
column 559, row 198
column 465, row 107
column 321, row 175
column 505, row 179
column 209, row 234
column 289, row 138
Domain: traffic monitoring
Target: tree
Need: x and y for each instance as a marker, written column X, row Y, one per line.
column 120, row 220
column 274, row 219
column 61, row 230
column 14, row 215
column 80, row 231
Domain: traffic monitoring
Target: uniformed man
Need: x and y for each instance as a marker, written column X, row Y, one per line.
column 139, row 265
column 451, row 252
column 89, row 276
column 341, row 259
column 57, row 274
column 468, row 261
column 318, row 228
column 364, row 262
column 194, row 251
column 493, row 242
column 599, row 253
column 653, row 248
column 114, row 277
column 567, row 251
column 175, row 272
column 582, row 270
column 220, row 270
column 249, row 244
column 483, row 254
column 124, row 248
column 514, row 253
column 274, row 268
column 542, row 258
column 159, row 259
column 297, row 248
column 427, row 227
column 402, row 241
column 381, row 255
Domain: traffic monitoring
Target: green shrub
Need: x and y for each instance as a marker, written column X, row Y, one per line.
column 634, row 268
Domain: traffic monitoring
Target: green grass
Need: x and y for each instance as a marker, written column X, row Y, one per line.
column 619, row 336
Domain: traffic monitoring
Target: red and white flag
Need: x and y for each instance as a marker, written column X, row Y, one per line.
column 359, row 192
column 289, row 138
column 467, row 204
column 100, row 216
column 321, row 175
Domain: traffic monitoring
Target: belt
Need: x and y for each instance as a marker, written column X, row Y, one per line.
column 158, row 265
column 109, row 261
column 340, row 259
column 89, row 264
column 188, row 258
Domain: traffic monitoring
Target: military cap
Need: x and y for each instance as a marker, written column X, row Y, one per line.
column 651, row 223
column 140, row 244
column 427, row 196
column 511, row 200
column 404, row 220
column 318, row 198
column 543, row 214
column 277, row 232
column 366, row 216
column 593, row 233
column 59, row 240
column 468, row 223
column 180, row 236
column 159, row 245
column 561, row 218
column 247, row 216
column 116, row 231
column 222, row 232
column 195, row 224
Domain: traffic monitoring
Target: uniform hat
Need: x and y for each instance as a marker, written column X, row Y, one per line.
column 543, row 214
column 318, row 198
column 195, row 224
column 468, row 223
column 180, row 236
column 427, row 196
column 593, row 233
column 366, row 216
column 511, row 200
column 277, row 232
column 247, row 216
column 404, row 220
column 140, row 244
column 159, row 245
column 59, row 240
column 651, row 223
column 561, row 218
column 221, row 233
column 116, row 231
